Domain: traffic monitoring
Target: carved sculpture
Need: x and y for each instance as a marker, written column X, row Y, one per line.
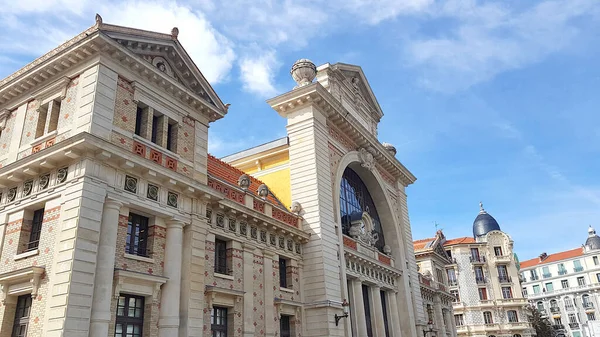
column 387, row 250
column 366, row 159
column 244, row 181
column 263, row 191
column 303, row 72
column 296, row 207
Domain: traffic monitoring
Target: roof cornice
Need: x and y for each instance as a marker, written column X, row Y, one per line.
column 317, row 95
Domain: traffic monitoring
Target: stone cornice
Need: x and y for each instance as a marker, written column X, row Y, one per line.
column 318, row 96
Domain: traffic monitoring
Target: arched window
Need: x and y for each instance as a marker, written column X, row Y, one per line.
column 354, row 200
column 540, row 306
column 585, row 300
column 516, row 335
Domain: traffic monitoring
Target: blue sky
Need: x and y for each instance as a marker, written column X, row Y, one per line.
column 491, row 101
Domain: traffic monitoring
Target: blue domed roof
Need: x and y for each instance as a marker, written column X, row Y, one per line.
column 484, row 223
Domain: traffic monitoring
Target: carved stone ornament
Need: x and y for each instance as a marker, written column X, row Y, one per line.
column 387, row 250
column 303, row 72
column 390, row 148
column 296, row 207
column 244, row 181
column 4, row 113
column 263, row 191
column 366, row 158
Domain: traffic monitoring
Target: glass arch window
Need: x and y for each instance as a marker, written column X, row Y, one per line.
column 354, row 200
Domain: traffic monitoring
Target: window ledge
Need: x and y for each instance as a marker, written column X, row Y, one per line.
column 286, row 290
column 224, row 276
column 26, row 254
column 139, row 258
column 155, row 146
column 44, row 137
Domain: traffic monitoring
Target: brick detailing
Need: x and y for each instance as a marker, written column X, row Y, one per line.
column 6, row 136
column 350, row 243
column 385, row 259
column 171, row 163
column 156, row 156
column 139, row 149
column 259, row 206
column 339, row 136
column 285, row 217
column 43, row 259
column 125, row 108
column 229, row 192
column 156, row 243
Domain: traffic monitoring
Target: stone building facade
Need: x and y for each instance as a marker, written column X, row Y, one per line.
column 484, row 281
column 117, row 222
column 432, row 260
column 564, row 287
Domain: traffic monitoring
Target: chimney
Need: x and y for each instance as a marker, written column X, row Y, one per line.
column 543, row 256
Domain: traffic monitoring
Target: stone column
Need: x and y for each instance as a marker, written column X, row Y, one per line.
column 168, row 322
column 394, row 316
column 269, row 293
column 379, row 324
column 359, row 322
column 248, row 289
column 439, row 315
column 105, row 268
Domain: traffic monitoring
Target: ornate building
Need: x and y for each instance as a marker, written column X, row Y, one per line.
column 483, row 278
column 564, row 287
column 117, row 222
column 432, row 260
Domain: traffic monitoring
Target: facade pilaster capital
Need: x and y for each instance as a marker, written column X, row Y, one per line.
column 174, row 223
column 249, row 247
column 112, row 203
column 270, row 254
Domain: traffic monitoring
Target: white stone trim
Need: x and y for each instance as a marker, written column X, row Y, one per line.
column 26, row 254
column 42, row 138
column 137, row 283
column 138, row 258
column 286, row 290
column 21, row 281
column 224, row 276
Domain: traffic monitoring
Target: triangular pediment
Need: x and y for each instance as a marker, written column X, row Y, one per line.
column 357, row 81
column 166, row 55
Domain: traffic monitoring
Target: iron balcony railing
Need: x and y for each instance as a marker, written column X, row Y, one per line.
column 562, row 272
column 554, row 309
column 574, row 325
column 505, row 279
column 558, row 327
column 578, row 269
column 588, row 305
column 548, row 275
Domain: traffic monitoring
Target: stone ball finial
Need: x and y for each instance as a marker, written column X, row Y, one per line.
column 175, row 32
column 263, row 191
column 244, row 181
column 391, row 148
column 303, row 72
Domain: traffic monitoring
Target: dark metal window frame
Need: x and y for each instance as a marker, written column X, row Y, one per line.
column 355, row 198
column 139, row 114
column 137, row 228
column 36, row 229
column 283, row 279
column 385, row 313
column 221, row 257
column 285, row 326
column 22, row 312
column 367, row 305
column 218, row 322
column 126, row 320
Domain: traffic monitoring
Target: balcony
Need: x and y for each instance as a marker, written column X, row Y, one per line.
column 554, row 310
column 502, row 258
column 505, row 279
column 477, row 259
column 558, row 327
column 547, row 275
column 535, row 278
column 578, row 269
column 570, row 307
column 480, row 280
column 543, row 312
column 562, row 272
column 585, row 287
column 453, row 283
column 574, row 326
column 588, row 305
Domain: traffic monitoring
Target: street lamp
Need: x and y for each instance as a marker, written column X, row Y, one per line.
column 345, row 306
column 429, row 329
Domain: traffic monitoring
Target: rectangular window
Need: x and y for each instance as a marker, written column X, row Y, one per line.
column 546, row 272
column 218, row 322
column 475, row 255
column 498, row 251
column 595, row 258
column 283, row 273
column 172, row 136
column 137, row 235
column 549, row 286
column 572, row 318
column 22, row 316
column 536, row 289
column 487, row 317
column 483, row 294
column 507, row 292
column 577, row 267
column 367, row 305
column 581, row 281
column 47, row 118
column 512, row 316
column 524, row 292
column 503, row 273
column 154, row 129
column 130, row 316
column 564, row 284
column 139, row 115
column 591, row 316
column 221, row 257
column 459, row 320
column 598, row 277
column 439, row 275
column 385, row 315
column 479, row 278
column 558, row 321
column 451, row 276
column 533, row 274
column 285, row 326
column 36, row 229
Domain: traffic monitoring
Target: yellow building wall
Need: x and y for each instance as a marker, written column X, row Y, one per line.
column 279, row 183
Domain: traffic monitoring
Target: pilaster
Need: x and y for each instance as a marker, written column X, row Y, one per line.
column 269, row 293
column 379, row 324
column 248, row 289
column 394, row 316
column 357, row 309
column 168, row 323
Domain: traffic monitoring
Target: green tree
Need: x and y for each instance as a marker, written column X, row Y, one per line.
column 542, row 326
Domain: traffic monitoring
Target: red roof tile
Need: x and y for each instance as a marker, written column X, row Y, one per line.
column 567, row 254
column 220, row 170
column 421, row 244
column 458, row 241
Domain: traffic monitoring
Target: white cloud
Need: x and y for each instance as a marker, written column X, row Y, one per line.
column 257, row 73
column 490, row 39
column 376, row 11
